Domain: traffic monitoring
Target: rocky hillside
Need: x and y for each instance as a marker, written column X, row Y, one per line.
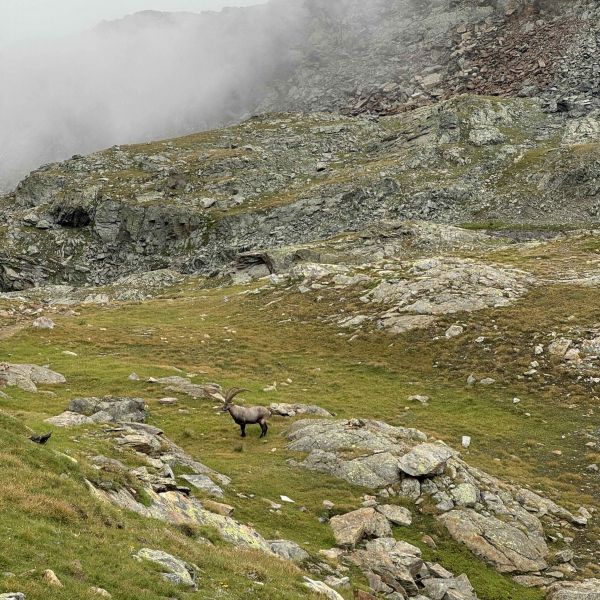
column 401, row 264
column 200, row 203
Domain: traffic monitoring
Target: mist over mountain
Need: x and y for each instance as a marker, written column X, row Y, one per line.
column 147, row 76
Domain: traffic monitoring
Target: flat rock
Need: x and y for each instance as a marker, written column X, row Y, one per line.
column 575, row 590
column 204, row 483
column 69, row 419
column 28, row 377
column 425, row 459
column 291, row 410
column 507, row 548
column 352, row 527
column 12, row 596
column 289, row 550
column 110, row 409
column 177, row 571
column 398, row 515
column 321, row 588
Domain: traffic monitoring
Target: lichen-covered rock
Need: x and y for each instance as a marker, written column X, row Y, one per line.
column 398, row 515
column 575, row 590
column 28, row 377
column 69, row 419
column 507, row 548
column 291, row 410
column 321, row 588
column 179, row 509
column 177, row 571
column 289, row 550
column 204, row 483
column 352, row 527
column 425, row 460
column 110, row 409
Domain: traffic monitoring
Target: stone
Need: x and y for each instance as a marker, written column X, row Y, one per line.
column 100, row 592
column 454, row 331
column 507, row 548
column 49, row 576
column 575, row 590
column 110, row 409
column 531, row 581
column 176, row 571
column 205, row 484
column 28, row 377
column 421, row 399
column 425, row 460
column 465, row 494
column 291, row 410
column 398, row 515
column 180, row 509
column 43, row 323
column 321, row 588
column 219, row 508
column 13, row 596
column 352, row 527
column 449, row 589
column 559, row 347
column 69, row 419
column 564, row 556
column 289, row 550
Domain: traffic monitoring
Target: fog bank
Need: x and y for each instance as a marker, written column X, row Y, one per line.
column 149, row 76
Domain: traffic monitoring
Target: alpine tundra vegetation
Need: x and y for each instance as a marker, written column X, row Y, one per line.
column 393, row 241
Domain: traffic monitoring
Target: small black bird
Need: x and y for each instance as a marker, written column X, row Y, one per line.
column 41, row 439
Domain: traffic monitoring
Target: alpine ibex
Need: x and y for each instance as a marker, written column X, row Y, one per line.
column 244, row 415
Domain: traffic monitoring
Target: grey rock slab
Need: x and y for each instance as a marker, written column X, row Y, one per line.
column 69, row 419
column 352, row 527
column 177, row 571
column 204, row 483
column 321, row 588
column 288, row 550
column 425, row 460
column 398, row 515
column 28, row 377
column 575, row 590
column 507, row 548
column 110, row 408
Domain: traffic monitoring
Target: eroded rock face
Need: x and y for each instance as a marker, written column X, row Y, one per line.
column 501, row 544
column 179, row 509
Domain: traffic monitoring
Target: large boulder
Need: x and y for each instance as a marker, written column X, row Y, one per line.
column 507, row 548
column 398, row 515
column 110, row 409
column 425, row 460
column 575, row 590
column 352, row 527
column 373, row 471
column 289, row 550
column 28, row 377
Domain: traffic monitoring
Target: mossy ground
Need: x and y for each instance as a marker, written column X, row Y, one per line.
column 50, row 521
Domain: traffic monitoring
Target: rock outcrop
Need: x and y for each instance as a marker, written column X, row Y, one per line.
column 500, row 523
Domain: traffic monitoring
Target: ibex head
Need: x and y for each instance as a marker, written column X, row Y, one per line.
column 227, row 399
